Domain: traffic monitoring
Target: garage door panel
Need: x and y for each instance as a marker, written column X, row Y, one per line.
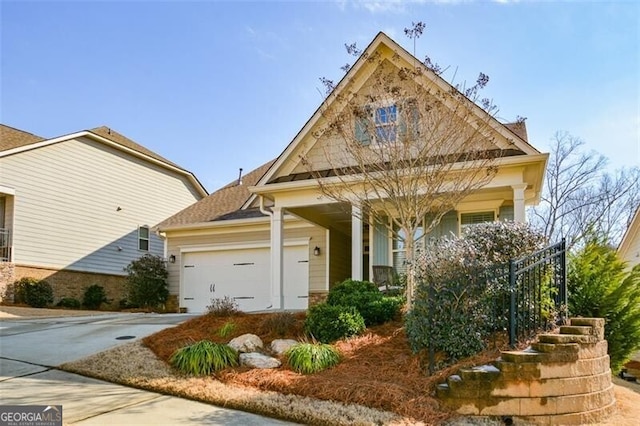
column 243, row 275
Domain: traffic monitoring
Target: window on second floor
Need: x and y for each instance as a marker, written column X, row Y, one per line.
column 386, row 120
column 143, row 238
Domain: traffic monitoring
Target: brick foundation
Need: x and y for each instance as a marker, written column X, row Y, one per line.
column 316, row 298
column 73, row 284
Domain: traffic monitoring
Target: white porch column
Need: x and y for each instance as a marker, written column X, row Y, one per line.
column 518, row 202
column 277, row 296
column 356, row 243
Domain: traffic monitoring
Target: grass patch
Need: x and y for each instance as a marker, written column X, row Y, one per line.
column 226, row 330
column 308, row 358
column 203, row 358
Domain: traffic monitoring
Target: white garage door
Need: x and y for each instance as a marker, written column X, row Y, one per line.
column 244, row 275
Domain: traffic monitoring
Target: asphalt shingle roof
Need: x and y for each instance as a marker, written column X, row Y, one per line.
column 11, row 138
column 221, row 204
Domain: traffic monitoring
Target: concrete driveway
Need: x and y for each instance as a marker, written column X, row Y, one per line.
column 31, row 348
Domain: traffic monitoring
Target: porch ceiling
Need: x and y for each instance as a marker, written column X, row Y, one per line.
column 331, row 216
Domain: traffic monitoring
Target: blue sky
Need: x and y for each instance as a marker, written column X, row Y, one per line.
column 215, row 86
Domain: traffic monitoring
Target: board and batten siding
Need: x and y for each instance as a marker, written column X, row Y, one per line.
column 67, row 197
column 258, row 234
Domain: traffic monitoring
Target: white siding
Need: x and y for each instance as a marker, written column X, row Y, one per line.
column 66, row 205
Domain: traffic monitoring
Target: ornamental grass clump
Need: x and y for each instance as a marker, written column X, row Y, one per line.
column 309, row 358
column 204, row 358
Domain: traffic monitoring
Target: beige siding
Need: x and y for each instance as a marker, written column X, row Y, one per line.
column 250, row 234
column 66, row 204
column 632, row 253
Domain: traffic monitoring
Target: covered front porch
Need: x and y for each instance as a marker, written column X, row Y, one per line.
column 357, row 241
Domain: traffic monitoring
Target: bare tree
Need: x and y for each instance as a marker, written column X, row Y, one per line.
column 580, row 198
column 404, row 147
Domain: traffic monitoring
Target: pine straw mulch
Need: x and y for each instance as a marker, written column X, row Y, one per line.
column 377, row 370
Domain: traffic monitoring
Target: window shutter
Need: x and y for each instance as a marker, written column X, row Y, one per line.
column 363, row 119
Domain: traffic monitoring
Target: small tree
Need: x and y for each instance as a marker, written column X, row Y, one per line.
column 581, row 198
column 403, row 147
column 600, row 286
column 147, row 281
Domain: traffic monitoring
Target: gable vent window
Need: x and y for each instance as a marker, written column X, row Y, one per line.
column 386, row 119
column 143, row 238
column 474, row 218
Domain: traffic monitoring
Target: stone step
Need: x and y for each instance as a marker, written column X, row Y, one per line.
column 596, row 323
column 533, row 406
column 482, row 373
column 531, row 355
column 567, row 338
column 576, row 329
column 555, row 347
column 552, row 370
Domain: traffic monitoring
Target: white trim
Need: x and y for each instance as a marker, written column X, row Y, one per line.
column 7, row 191
column 85, row 133
column 241, row 246
column 327, row 258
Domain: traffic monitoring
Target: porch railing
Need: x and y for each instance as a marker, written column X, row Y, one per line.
column 537, row 289
column 5, row 245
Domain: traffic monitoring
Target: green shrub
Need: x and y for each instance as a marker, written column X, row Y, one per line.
column 147, row 281
column 327, row 323
column 279, row 323
column 222, row 307
column 374, row 307
column 308, row 358
column 94, row 296
column 203, row 358
column 33, row 292
column 462, row 286
column 226, row 329
column 599, row 286
column 69, row 302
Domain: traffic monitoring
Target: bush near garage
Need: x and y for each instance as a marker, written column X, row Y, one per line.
column 374, row 306
column 147, row 285
column 33, row 292
column 328, row 323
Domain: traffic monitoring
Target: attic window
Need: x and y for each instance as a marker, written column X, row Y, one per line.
column 143, row 238
column 386, row 119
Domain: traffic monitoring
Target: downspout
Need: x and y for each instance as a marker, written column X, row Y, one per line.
column 269, row 213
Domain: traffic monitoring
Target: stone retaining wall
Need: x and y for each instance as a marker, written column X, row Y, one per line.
column 562, row 379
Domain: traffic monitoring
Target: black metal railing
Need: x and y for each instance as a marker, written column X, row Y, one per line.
column 5, row 245
column 537, row 291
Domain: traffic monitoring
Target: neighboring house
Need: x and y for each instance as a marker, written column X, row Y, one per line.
column 271, row 241
column 77, row 209
column 629, row 248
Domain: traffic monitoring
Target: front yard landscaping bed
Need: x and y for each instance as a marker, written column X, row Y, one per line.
column 377, row 369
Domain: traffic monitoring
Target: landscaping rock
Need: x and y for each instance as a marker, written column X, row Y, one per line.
column 256, row 360
column 280, row 346
column 246, row 343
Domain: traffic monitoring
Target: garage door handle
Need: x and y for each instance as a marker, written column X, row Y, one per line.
column 243, row 264
column 189, row 266
column 303, row 297
column 243, row 297
column 303, row 261
column 188, row 298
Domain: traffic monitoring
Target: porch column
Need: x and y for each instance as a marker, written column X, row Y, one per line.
column 356, row 243
column 518, row 202
column 277, row 296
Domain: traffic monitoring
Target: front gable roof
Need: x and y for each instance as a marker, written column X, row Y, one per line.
column 14, row 141
column 631, row 240
column 284, row 165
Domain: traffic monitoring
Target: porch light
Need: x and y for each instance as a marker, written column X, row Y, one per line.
column 316, row 251
column 172, row 258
